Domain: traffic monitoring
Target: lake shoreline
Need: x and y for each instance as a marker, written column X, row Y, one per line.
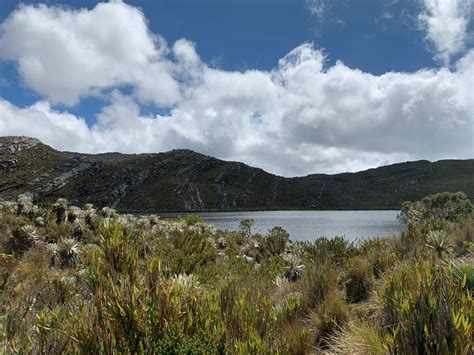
column 147, row 212
column 309, row 225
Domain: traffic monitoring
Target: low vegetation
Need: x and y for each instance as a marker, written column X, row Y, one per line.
column 81, row 280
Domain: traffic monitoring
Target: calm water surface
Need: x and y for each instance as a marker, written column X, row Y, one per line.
column 308, row 225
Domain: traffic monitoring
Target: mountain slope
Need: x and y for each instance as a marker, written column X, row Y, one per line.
column 184, row 180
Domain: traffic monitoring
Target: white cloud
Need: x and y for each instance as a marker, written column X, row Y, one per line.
column 65, row 54
column 297, row 119
column 59, row 129
column 446, row 23
column 301, row 117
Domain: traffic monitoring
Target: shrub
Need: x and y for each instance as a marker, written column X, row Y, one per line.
column 360, row 281
column 298, row 339
column 335, row 251
column 246, row 313
column 188, row 251
column 379, row 253
column 437, row 208
column 462, row 237
column 245, row 227
column 275, row 241
column 192, row 219
column 288, row 306
column 425, row 312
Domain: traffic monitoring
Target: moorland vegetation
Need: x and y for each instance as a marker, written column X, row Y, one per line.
column 82, row 280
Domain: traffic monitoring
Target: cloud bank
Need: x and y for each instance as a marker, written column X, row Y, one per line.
column 301, row 117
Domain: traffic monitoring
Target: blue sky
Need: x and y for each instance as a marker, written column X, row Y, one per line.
column 240, row 35
column 370, row 37
column 244, row 34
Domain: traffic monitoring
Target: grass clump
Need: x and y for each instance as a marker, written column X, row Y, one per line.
column 360, row 281
column 329, row 318
column 359, row 339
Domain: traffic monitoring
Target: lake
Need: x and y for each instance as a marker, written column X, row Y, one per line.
column 309, row 225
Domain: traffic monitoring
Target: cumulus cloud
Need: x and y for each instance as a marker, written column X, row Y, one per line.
column 65, row 54
column 446, row 23
column 301, row 117
column 59, row 129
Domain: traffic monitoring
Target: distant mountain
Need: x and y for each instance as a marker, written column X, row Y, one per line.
column 182, row 180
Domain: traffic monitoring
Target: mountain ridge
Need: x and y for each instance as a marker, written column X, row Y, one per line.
column 183, row 180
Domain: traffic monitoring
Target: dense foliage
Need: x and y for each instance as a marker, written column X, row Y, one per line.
column 79, row 280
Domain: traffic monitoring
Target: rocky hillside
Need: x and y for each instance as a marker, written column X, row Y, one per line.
column 184, row 180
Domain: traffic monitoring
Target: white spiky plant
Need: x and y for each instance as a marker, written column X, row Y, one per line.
column 29, row 231
column 79, row 228
column 23, row 239
column 438, row 241
column 25, row 205
column 281, row 282
column 294, row 268
column 108, row 212
column 74, row 213
column 67, row 252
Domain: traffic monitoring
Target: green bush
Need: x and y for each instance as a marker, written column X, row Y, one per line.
column 437, row 209
column 380, row 254
column 335, row 251
column 192, row 219
column 462, row 238
column 275, row 241
column 359, row 281
column 188, row 251
column 425, row 312
column 244, row 230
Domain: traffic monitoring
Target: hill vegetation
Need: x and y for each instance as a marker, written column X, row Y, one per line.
column 182, row 180
column 87, row 280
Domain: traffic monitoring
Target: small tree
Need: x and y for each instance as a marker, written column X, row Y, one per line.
column 275, row 241
column 245, row 227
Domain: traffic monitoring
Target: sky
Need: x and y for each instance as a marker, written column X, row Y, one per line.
column 291, row 86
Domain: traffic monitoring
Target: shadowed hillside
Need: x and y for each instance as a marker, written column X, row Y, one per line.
column 185, row 180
